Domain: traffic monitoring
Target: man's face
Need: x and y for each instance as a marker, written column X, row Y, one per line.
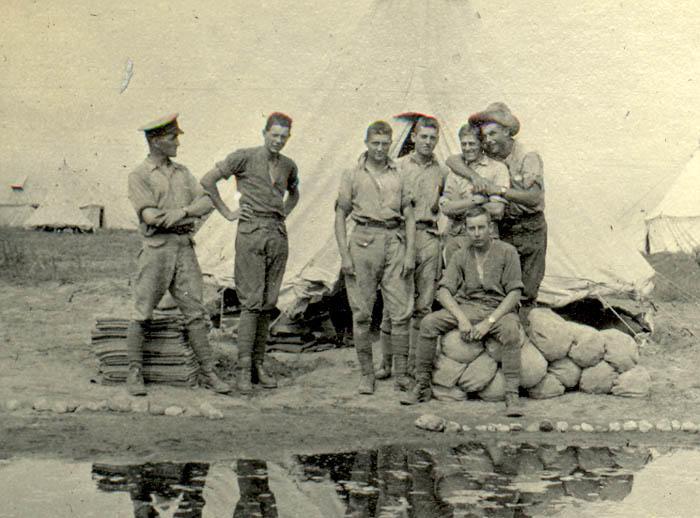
column 479, row 230
column 378, row 146
column 471, row 146
column 276, row 138
column 167, row 144
column 425, row 140
column 495, row 137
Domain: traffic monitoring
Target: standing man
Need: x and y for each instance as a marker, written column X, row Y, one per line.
column 168, row 200
column 523, row 224
column 459, row 194
column 479, row 292
column 263, row 177
column 425, row 179
column 380, row 252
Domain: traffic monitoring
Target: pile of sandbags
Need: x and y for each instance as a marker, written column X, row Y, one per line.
column 558, row 355
column 167, row 356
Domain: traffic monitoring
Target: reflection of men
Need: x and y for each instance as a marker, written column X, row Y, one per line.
column 523, row 224
column 380, row 252
column 263, row 176
column 425, row 178
column 256, row 498
column 459, row 194
column 168, row 200
column 479, row 292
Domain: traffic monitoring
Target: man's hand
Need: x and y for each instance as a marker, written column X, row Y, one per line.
column 435, row 208
column 346, row 265
column 409, row 264
column 245, row 213
column 479, row 199
column 465, row 329
column 480, row 330
column 172, row 217
column 480, row 184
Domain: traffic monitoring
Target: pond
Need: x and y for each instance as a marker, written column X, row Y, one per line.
column 468, row 480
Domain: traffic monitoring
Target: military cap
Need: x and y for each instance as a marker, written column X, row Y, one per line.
column 163, row 126
column 498, row 113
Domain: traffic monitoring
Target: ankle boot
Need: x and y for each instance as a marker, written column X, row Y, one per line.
column 421, row 392
column 208, row 379
column 265, row 379
column 384, row 370
column 402, row 381
column 134, row 381
column 243, row 375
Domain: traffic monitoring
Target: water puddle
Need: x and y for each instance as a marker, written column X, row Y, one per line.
column 469, row 480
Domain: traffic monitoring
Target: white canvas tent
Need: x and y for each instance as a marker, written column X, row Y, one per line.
column 674, row 224
column 391, row 69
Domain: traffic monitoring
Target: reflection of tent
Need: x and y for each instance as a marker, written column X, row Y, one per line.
column 584, row 259
column 674, row 225
column 62, row 199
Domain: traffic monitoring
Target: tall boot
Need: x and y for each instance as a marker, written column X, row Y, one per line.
column 247, row 327
column 511, row 372
column 364, row 357
column 384, row 370
column 259, row 374
column 199, row 341
column 399, row 344
column 135, row 337
column 412, row 344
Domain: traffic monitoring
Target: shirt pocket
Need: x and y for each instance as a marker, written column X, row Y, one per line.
column 361, row 237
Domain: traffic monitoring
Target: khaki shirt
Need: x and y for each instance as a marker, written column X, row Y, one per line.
column 457, row 187
column 526, row 169
column 262, row 181
column 426, row 182
column 373, row 197
column 165, row 187
column 501, row 274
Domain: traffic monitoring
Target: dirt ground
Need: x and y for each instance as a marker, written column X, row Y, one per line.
column 45, row 353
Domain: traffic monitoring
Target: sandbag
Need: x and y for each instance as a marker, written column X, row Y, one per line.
column 493, row 348
column 547, row 388
column 598, row 379
column 458, row 350
column 446, row 372
column 621, row 351
column 448, row 394
column 478, row 374
column 496, row 390
column 533, row 366
column 635, row 382
column 566, row 371
column 550, row 333
column 588, row 347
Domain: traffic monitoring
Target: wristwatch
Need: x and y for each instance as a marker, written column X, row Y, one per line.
column 504, row 189
column 491, row 320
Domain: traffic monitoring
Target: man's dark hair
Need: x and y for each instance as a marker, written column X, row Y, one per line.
column 469, row 128
column 378, row 128
column 477, row 211
column 426, row 121
column 279, row 119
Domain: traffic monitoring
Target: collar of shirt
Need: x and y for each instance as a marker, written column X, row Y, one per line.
column 431, row 161
column 362, row 163
column 483, row 160
column 152, row 165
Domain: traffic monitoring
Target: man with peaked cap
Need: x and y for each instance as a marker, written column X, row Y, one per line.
column 425, row 178
column 523, row 224
column 263, row 177
column 380, row 251
column 168, row 201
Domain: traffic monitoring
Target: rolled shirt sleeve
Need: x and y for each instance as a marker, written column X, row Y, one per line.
column 140, row 194
column 511, row 278
column 344, row 200
column 293, row 180
column 233, row 164
column 532, row 171
column 453, row 277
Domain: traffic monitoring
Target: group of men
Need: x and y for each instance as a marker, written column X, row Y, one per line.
column 484, row 270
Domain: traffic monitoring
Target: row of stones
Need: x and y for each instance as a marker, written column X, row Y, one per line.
column 435, row 423
column 117, row 404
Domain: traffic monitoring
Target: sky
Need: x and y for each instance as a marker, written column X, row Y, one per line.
column 607, row 91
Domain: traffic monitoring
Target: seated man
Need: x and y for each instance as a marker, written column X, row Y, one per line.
column 480, row 292
column 459, row 195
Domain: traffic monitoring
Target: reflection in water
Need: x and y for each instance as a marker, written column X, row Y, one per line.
column 469, row 480
column 475, row 479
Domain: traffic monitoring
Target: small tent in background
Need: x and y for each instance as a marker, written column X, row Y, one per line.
column 16, row 201
column 61, row 207
column 674, row 224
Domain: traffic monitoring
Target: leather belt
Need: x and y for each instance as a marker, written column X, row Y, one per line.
column 426, row 225
column 389, row 225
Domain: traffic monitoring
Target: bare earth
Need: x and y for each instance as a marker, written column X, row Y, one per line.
column 45, row 354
